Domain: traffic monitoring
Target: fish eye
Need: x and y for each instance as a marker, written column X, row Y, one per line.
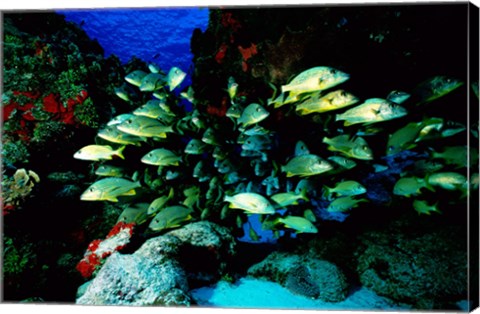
column 343, row 94
column 364, row 147
column 333, row 71
column 249, row 142
column 258, row 109
column 90, row 189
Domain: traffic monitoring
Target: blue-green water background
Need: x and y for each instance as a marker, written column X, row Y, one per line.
column 158, row 35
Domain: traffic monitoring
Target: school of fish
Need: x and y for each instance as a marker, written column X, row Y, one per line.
column 167, row 165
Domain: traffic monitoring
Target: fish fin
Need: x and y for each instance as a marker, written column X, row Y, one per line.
column 346, row 123
column 112, row 199
column 428, row 186
column 171, row 193
column 119, row 152
column 131, row 192
column 303, row 193
column 327, row 193
column 338, row 117
column 277, row 221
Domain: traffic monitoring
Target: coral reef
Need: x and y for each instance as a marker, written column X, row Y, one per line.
column 17, row 189
column 17, row 259
column 157, row 273
column 54, row 87
column 364, row 39
column 57, row 89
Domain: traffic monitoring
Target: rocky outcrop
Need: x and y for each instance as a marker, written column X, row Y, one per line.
column 426, row 270
column 158, row 272
column 304, row 275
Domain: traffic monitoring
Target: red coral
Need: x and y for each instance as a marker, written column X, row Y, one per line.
column 6, row 209
column 31, row 95
column 85, row 268
column 40, row 48
column 28, row 116
column 218, row 111
column 82, row 96
column 68, row 118
column 93, row 259
column 229, row 21
column 51, row 103
column 221, row 53
column 93, row 246
column 94, row 254
column 248, row 52
column 119, row 227
column 70, row 104
column 8, row 109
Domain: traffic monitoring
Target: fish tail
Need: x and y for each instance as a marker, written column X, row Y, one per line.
column 327, row 193
column 427, row 182
column 428, row 186
column 170, row 193
column 227, row 198
column 277, row 221
column 119, row 152
column 303, row 193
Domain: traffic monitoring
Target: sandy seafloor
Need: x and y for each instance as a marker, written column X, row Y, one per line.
column 260, row 294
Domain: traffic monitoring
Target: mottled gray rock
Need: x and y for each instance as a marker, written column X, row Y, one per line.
column 156, row 274
column 304, row 275
column 427, row 270
column 208, row 235
column 135, row 280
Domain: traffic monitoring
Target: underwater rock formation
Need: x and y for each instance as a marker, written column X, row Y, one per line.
column 425, row 269
column 138, row 280
column 158, row 273
column 304, row 275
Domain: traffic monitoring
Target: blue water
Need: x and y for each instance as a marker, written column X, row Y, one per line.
column 158, row 35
